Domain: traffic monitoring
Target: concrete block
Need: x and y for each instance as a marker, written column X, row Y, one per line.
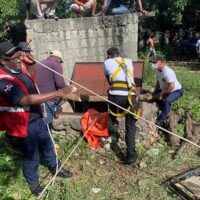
column 74, row 35
column 83, row 43
column 61, row 35
column 91, row 33
column 67, row 35
column 82, row 34
column 54, row 36
column 92, row 42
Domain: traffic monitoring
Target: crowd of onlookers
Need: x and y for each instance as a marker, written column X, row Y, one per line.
column 42, row 9
column 181, row 44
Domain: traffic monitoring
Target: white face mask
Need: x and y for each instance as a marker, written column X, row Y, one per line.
column 14, row 71
column 154, row 66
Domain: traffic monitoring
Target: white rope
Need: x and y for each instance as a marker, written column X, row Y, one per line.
column 186, row 140
column 53, row 178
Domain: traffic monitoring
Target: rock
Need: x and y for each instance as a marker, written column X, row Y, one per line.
column 96, row 190
column 143, row 164
column 75, row 124
column 153, row 152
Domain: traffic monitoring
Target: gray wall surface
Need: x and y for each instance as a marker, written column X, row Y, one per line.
column 83, row 39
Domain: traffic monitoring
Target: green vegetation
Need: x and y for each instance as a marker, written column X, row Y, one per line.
column 12, row 12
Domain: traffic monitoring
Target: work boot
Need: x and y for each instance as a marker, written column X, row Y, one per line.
column 35, row 189
column 63, row 173
column 131, row 160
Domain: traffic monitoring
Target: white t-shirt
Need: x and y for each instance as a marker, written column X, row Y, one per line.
column 198, row 45
column 167, row 76
column 110, row 66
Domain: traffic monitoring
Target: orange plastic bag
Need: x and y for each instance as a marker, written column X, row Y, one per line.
column 93, row 133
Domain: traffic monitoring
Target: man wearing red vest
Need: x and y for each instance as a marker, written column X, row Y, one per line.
column 21, row 116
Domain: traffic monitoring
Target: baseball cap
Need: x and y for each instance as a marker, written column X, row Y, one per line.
column 154, row 59
column 24, row 46
column 6, row 48
column 57, row 53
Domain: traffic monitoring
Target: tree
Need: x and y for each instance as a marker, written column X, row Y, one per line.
column 12, row 12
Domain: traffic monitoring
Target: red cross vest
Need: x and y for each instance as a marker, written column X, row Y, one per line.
column 13, row 119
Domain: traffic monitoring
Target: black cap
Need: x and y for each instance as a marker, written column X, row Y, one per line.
column 24, row 46
column 6, row 48
column 113, row 51
column 154, row 59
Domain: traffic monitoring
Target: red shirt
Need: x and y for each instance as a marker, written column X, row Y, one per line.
column 83, row 1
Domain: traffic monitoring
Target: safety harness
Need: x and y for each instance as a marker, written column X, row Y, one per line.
column 127, row 85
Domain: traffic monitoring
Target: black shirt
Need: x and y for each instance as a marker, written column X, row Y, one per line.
column 13, row 94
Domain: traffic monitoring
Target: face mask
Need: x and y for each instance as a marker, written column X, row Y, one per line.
column 154, row 66
column 14, row 71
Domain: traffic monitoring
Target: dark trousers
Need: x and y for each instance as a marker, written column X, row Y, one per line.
column 166, row 104
column 129, row 122
column 38, row 141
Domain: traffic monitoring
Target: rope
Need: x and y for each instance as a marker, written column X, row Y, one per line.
column 165, row 130
column 53, row 178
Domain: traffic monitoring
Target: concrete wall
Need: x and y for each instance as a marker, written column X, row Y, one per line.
column 83, row 39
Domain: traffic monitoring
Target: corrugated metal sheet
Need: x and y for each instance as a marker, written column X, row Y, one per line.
column 91, row 75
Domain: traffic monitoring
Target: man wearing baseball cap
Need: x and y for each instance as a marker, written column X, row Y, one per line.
column 168, row 89
column 48, row 81
column 28, row 63
column 21, row 116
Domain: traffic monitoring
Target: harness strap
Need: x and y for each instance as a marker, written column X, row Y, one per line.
column 118, row 70
column 120, row 85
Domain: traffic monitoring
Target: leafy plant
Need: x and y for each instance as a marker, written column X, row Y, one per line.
column 12, row 12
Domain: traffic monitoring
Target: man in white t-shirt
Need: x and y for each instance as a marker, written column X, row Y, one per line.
column 119, row 73
column 167, row 88
column 198, row 48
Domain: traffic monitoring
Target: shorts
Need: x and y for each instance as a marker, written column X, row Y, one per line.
column 81, row 8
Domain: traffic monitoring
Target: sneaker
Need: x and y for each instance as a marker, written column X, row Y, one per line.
column 35, row 189
column 53, row 17
column 161, row 123
column 131, row 161
column 63, row 173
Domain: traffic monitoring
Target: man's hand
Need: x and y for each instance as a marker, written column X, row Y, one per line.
column 157, row 96
column 104, row 7
column 67, row 90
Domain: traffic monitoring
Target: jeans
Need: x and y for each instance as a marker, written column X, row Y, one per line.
column 129, row 123
column 119, row 10
column 51, row 109
column 37, row 142
column 166, row 105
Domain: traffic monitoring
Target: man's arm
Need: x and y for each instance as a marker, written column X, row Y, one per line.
column 34, row 99
column 139, row 2
column 168, row 89
column 156, row 88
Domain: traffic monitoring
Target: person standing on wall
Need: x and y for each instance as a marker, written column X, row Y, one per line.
column 122, row 91
column 21, row 116
column 151, row 45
